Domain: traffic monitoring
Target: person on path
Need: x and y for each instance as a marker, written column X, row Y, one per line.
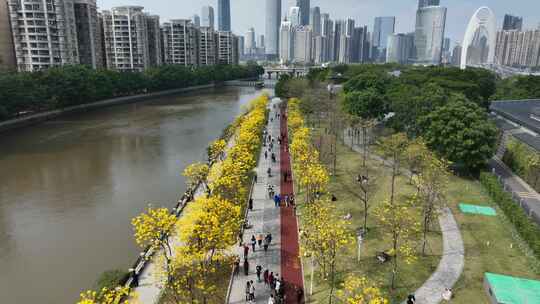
column 271, row 299
column 246, row 251
column 286, row 200
column 265, row 276
column 269, row 238
column 269, row 171
column 260, row 239
column 236, row 265
column 278, row 285
column 246, row 266
column 271, row 280
column 299, row 295
column 255, row 177
column 411, row 299
column 265, row 246
column 276, row 200
column 253, row 243
column 248, row 285
column 265, row 154
column 251, row 291
column 250, row 204
column 258, row 270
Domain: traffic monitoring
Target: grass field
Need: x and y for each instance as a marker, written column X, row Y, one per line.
column 476, row 231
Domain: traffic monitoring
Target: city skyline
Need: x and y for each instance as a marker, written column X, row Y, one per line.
column 363, row 12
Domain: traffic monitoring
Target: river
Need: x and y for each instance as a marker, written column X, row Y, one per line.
column 70, row 186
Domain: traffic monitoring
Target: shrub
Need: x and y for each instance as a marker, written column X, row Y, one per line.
column 529, row 231
column 110, row 279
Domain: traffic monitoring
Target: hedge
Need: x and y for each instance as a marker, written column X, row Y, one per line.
column 529, row 231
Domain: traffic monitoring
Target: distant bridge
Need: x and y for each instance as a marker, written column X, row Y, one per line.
column 293, row 71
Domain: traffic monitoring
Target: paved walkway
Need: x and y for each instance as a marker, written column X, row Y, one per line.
column 528, row 198
column 265, row 218
column 452, row 261
column 291, row 267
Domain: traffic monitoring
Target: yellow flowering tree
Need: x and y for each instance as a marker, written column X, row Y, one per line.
column 399, row 221
column 152, row 230
column 324, row 236
column 197, row 173
column 216, row 149
column 104, row 296
column 394, row 148
column 358, row 290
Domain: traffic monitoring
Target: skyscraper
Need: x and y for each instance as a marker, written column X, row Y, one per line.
column 424, row 3
column 327, row 32
column 399, row 48
column 294, row 15
column 383, row 27
column 429, row 34
column 286, row 41
column 512, row 23
column 196, row 20
column 360, row 45
column 7, row 50
column 315, row 20
column 241, row 46
column 207, row 16
column 126, row 38
column 304, row 11
column 224, row 15
column 261, row 41
column 250, row 42
column 456, row 55
column 302, row 44
column 56, row 42
column 273, row 19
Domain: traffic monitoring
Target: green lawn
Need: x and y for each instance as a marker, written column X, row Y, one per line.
column 476, row 231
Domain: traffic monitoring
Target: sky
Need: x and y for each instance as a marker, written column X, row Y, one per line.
column 250, row 13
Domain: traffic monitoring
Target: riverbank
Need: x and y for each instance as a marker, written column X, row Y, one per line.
column 48, row 115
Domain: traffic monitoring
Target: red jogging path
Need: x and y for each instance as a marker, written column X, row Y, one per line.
column 291, row 267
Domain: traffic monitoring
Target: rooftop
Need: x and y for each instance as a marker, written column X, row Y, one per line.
column 513, row 290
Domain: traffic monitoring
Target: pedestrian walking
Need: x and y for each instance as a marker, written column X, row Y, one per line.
column 276, row 200
column 265, row 155
column 266, row 274
column 250, row 204
column 278, row 285
column 269, row 171
column 236, row 265
column 260, row 239
column 246, row 251
column 271, row 280
column 286, row 200
column 253, row 243
column 265, row 246
column 255, row 177
column 269, row 238
column 271, row 299
column 252, row 292
column 299, row 295
column 258, row 270
column 248, row 285
column 246, row 266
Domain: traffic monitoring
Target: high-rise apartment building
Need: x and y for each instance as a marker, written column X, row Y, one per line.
column 286, row 41
column 294, row 16
column 399, row 48
column 518, row 49
column 7, row 50
column 180, row 40
column 424, row 3
column 241, row 46
column 327, row 31
column 207, row 46
column 304, row 6
column 126, row 38
column 302, row 44
column 383, row 27
column 429, row 34
column 315, row 21
column 44, row 33
column 261, row 41
column 339, row 32
column 273, row 19
column 196, row 20
column 228, row 52
column 154, row 40
column 88, row 35
column 456, row 56
column 224, row 15
column 346, row 41
column 207, row 16
column 512, row 23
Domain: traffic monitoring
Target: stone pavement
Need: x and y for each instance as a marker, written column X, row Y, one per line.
column 264, row 218
column 452, row 261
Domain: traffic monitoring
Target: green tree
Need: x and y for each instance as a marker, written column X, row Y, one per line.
column 366, row 104
column 460, row 132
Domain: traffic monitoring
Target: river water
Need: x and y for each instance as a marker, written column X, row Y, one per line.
column 70, row 186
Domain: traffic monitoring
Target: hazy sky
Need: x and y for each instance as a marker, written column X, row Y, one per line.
column 250, row 13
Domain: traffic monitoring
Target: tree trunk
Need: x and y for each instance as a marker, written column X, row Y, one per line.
column 395, row 264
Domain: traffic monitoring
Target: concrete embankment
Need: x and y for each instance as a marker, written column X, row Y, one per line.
column 43, row 116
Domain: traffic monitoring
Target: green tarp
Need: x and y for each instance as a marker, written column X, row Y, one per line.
column 474, row 209
column 512, row 290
